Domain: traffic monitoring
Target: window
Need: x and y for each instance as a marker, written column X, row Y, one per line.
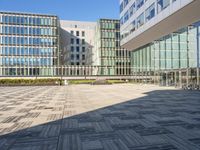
column 22, row 20
column 72, row 41
column 6, row 30
column 139, row 3
column 6, row 19
column 133, row 26
column 77, row 49
column 140, row 20
column 34, row 21
column 121, row 7
column 72, row 57
column 162, row 4
column 83, row 41
column 150, row 12
column 18, row 20
column 26, row 30
column 117, row 35
column 25, row 20
column 14, row 19
column 77, row 33
column 83, row 49
column 122, row 20
column 42, row 21
column 132, row 9
column 72, row 32
column 22, row 51
column 77, row 41
column 83, row 33
column 117, row 44
column 3, row 19
column 117, row 26
column 72, row 48
column 83, row 57
column 6, row 51
column 77, row 57
column 125, row 3
column 10, row 19
column 126, row 17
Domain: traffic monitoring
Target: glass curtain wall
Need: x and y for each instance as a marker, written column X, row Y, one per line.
column 28, row 44
column 171, row 60
column 113, row 59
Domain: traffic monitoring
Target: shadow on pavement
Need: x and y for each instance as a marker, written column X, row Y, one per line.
column 162, row 120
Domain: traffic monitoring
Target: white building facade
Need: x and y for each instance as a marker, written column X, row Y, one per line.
column 163, row 37
column 77, row 42
column 143, row 21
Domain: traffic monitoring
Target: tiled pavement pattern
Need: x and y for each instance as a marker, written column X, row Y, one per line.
column 111, row 117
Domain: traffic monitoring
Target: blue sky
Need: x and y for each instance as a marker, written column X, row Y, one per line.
column 83, row 10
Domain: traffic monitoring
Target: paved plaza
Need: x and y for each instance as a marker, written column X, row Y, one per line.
column 102, row 117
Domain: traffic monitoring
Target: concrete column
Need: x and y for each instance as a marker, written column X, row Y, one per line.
column 153, row 77
column 62, row 71
column 175, row 81
column 167, row 80
column 158, row 78
column 198, row 50
column 187, row 76
column 197, row 75
column 1, row 71
column 180, row 79
column 135, row 76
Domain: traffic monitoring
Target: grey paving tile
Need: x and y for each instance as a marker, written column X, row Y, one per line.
column 84, row 117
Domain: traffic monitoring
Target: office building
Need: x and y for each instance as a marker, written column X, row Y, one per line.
column 163, row 37
column 77, row 48
column 29, row 44
column 42, row 45
column 77, row 42
column 112, row 59
column 143, row 21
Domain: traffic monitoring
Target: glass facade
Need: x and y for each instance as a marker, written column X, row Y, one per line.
column 29, row 44
column 114, row 60
column 171, row 60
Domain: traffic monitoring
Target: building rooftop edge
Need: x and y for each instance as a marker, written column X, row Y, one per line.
column 108, row 19
column 92, row 22
column 27, row 13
